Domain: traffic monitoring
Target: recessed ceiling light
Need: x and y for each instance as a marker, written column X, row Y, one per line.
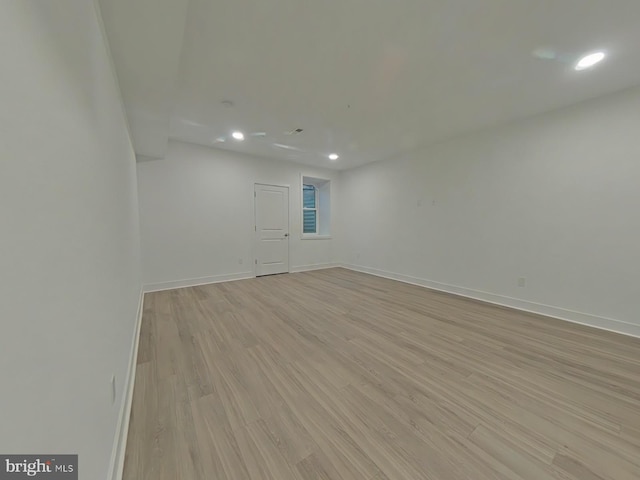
column 334, row 156
column 590, row 60
column 238, row 135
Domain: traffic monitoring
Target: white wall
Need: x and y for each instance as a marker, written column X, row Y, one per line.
column 69, row 236
column 554, row 199
column 196, row 215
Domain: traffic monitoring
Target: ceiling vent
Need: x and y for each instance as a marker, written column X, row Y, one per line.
column 294, row 132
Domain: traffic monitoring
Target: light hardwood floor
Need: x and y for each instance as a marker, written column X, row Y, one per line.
column 335, row 374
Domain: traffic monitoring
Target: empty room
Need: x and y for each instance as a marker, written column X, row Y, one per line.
column 330, row 240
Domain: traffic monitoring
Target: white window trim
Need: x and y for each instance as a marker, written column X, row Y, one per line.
column 314, row 236
column 311, row 236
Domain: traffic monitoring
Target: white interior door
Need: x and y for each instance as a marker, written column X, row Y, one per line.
column 272, row 229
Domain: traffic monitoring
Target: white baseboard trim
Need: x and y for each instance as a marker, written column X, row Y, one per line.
column 315, row 266
column 116, row 465
column 609, row 324
column 194, row 282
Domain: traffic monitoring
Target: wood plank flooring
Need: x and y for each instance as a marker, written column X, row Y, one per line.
column 335, row 374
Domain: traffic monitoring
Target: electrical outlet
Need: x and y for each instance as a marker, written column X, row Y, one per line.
column 240, row 261
column 522, row 282
column 113, row 389
column 419, row 203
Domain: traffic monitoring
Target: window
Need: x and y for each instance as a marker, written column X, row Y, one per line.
column 309, row 209
column 316, row 211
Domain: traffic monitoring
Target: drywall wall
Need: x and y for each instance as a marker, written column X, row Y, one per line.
column 553, row 200
column 69, row 243
column 196, row 215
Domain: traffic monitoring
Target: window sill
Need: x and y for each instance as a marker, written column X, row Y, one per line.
column 313, row 236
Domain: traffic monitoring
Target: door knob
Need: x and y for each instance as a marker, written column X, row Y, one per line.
column 286, row 234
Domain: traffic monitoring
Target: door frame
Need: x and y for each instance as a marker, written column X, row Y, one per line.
column 254, row 233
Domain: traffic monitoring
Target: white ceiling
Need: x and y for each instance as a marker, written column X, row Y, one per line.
column 367, row 79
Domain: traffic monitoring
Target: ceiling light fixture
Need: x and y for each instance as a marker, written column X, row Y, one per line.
column 590, row 60
column 334, row 156
column 238, row 135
